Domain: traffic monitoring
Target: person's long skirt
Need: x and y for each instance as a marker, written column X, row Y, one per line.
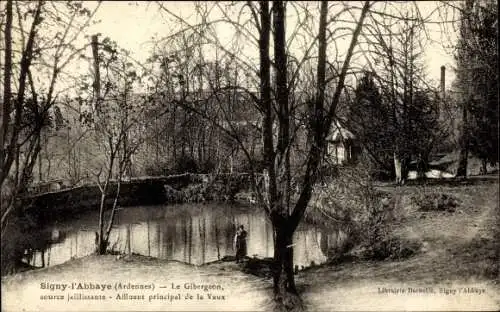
column 241, row 249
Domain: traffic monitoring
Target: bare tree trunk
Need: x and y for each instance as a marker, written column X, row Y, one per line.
column 173, row 134
column 283, row 147
column 185, row 234
column 217, row 240
column 8, row 158
column 48, row 256
column 265, row 95
column 43, row 258
column 101, row 241
column 40, row 174
column 97, row 76
column 464, row 145
column 149, row 238
column 101, row 246
column 30, row 162
column 127, row 245
column 398, row 169
column 202, row 231
column 462, row 162
column 190, row 239
column 283, row 278
column 7, row 93
column 113, row 210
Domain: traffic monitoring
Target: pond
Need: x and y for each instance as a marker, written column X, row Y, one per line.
column 191, row 233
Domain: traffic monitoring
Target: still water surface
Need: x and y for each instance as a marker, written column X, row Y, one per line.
column 191, row 233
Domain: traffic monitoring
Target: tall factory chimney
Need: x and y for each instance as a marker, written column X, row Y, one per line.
column 443, row 91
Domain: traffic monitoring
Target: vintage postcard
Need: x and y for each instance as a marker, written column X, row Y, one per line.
column 249, row 156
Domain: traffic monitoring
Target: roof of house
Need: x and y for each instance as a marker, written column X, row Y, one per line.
column 339, row 133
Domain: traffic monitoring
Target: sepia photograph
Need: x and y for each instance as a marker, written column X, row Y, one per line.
column 249, row 156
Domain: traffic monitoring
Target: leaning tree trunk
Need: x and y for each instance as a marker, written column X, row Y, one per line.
column 101, row 243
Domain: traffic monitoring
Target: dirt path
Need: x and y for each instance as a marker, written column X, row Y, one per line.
column 453, row 269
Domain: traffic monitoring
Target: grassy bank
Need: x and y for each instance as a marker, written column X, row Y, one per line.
column 459, row 250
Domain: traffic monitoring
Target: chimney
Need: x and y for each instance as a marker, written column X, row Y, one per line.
column 443, row 91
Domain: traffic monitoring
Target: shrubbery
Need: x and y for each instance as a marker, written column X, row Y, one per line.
column 435, row 202
column 391, row 248
column 204, row 188
column 157, row 169
column 351, row 202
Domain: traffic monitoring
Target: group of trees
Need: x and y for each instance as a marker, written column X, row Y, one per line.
column 395, row 112
column 273, row 113
column 399, row 118
column 378, row 126
column 116, row 120
column 181, row 138
column 34, row 61
column 477, row 82
column 281, row 119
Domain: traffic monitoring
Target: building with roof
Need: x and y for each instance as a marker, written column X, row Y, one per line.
column 343, row 148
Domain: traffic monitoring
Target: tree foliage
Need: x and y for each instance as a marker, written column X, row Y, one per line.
column 371, row 119
column 368, row 118
column 280, row 118
column 408, row 117
column 39, row 42
column 477, row 76
column 117, row 119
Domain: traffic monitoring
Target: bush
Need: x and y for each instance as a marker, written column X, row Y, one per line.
column 258, row 165
column 202, row 189
column 328, row 172
column 435, row 202
column 160, row 169
column 20, row 234
column 351, row 202
column 173, row 196
column 195, row 193
column 391, row 248
column 364, row 214
column 185, row 164
column 207, row 166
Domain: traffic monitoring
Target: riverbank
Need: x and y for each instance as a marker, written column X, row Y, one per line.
column 457, row 264
column 229, row 289
column 456, row 269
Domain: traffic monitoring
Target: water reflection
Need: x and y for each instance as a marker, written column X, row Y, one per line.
column 189, row 233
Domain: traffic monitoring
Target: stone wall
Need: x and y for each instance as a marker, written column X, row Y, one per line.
column 140, row 191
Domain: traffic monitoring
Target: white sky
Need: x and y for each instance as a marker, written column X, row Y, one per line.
column 133, row 24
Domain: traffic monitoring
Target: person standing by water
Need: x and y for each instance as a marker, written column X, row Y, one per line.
column 240, row 243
